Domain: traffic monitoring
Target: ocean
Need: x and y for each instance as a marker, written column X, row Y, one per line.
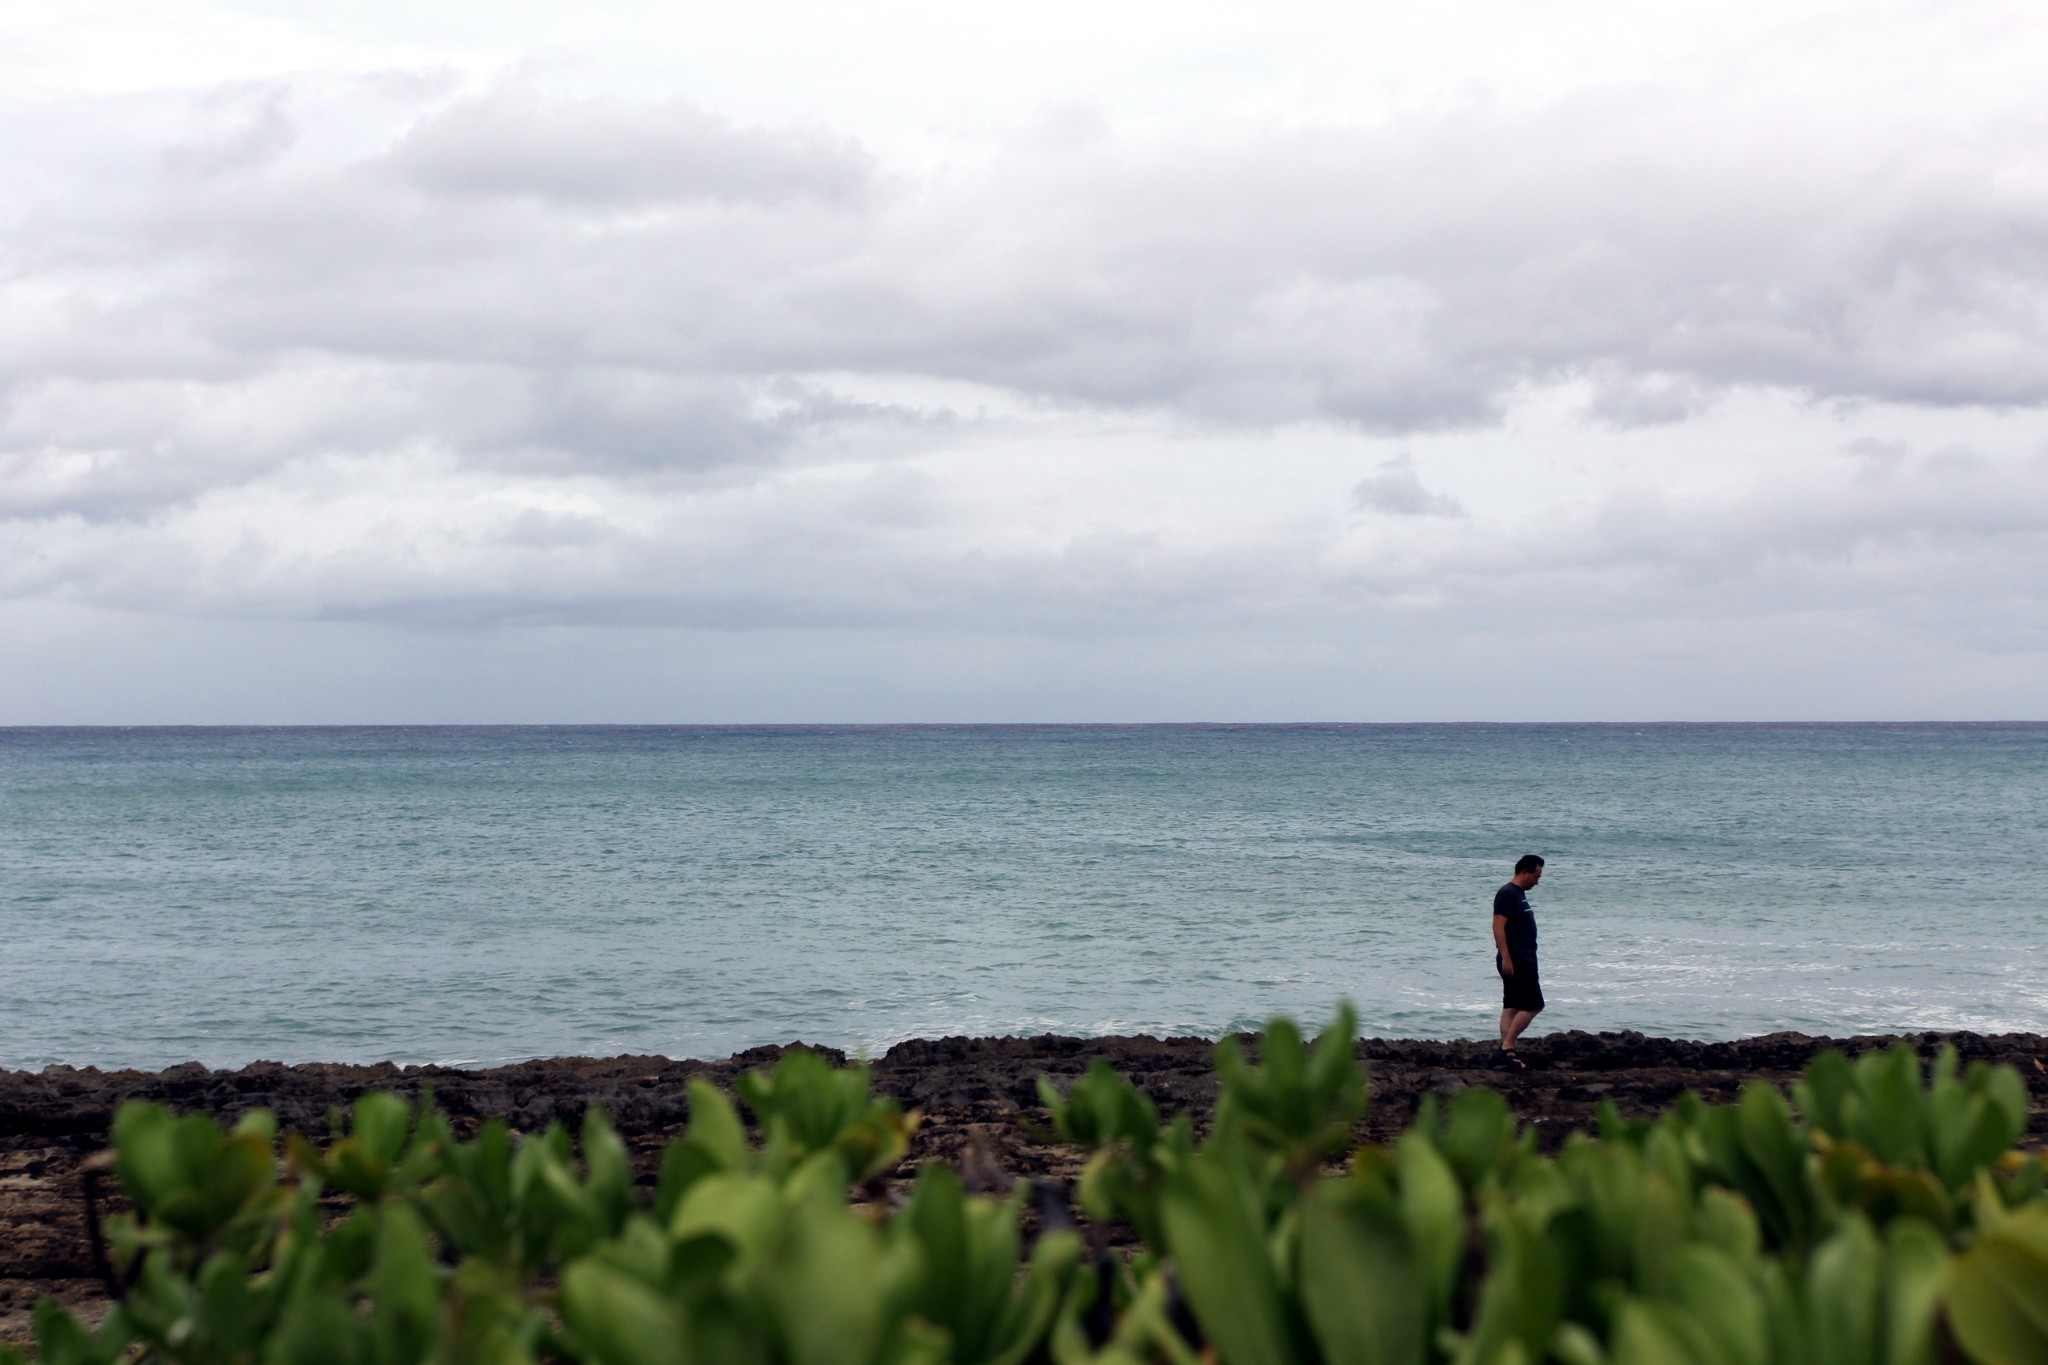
column 480, row 895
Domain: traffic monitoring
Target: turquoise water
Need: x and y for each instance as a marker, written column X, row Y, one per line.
column 483, row 895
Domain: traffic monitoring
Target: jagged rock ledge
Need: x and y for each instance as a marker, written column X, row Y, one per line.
column 645, row 1095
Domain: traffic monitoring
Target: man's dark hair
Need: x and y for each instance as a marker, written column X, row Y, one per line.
column 1528, row 862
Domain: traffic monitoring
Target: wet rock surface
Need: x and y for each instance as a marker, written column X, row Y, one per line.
column 978, row 1097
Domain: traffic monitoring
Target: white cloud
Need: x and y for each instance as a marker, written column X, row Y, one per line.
column 1747, row 324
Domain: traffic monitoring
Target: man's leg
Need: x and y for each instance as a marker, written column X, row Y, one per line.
column 1512, row 1022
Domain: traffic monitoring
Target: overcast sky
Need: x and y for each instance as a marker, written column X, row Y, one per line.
column 923, row 361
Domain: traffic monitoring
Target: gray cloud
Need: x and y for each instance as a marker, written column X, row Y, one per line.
column 1407, row 278
column 124, row 449
column 1944, row 551
column 1398, row 489
column 1644, row 400
column 612, row 154
column 504, row 358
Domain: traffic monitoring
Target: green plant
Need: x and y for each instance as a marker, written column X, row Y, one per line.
column 1885, row 1219
column 1752, row 1232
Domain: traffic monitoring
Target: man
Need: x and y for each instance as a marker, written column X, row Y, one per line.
column 1514, row 956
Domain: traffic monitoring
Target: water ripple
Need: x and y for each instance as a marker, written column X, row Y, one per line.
column 484, row 895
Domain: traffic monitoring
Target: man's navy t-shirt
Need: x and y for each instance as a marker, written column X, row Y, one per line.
column 1512, row 904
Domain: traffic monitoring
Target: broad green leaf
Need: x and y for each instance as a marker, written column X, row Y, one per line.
column 1521, row 1301
column 317, row 1329
column 1657, row 1334
column 739, row 1209
column 1998, row 1292
column 1433, row 1208
column 1723, row 1305
column 62, row 1339
column 1054, row 1263
column 241, row 1168
column 1890, row 1081
column 1359, row 1279
column 1825, row 1093
column 1101, row 1108
column 1477, row 1137
column 1773, row 1149
column 715, row 1125
column 608, row 1172
column 404, row 1284
column 226, row 1312
column 1845, row 1287
column 968, row 1254
column 1917, row 1270
column 617, row 1320
column 144, row 1156
column 824, row 1287
column 1726, row 1221
column 1219, row 1248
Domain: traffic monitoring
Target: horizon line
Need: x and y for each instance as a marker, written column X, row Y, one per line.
column 1805, row 723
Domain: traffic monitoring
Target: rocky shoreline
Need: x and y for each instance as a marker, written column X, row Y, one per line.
column 977, row 1096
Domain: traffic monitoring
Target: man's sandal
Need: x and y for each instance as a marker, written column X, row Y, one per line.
column 1509, row 1060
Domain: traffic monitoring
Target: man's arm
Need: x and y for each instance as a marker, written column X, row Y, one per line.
column 1500, row 943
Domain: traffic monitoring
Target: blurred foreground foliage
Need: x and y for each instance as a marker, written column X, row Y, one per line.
column 1883, row 1216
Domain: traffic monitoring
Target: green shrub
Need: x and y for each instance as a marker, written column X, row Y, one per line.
column 1883, row 1217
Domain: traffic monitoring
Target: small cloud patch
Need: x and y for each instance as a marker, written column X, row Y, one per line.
column 1397, row 490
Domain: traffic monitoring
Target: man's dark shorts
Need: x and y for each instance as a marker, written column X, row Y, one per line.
column 1522, row 991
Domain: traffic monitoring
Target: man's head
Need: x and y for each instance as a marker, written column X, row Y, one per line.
column 1528, row 871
